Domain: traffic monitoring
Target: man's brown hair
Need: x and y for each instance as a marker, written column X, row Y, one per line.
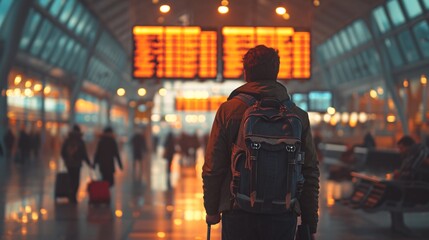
column 261, row 63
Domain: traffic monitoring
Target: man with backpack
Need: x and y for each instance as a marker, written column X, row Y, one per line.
column 73, row 152
column 261, row 169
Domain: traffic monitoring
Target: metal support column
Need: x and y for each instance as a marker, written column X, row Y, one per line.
column 43, row 112
column 79, row 82
column 10, row 36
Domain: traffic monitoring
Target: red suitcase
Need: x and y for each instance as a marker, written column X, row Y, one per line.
column 98, row 192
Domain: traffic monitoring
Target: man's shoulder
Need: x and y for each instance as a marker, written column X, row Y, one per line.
column 232, row 108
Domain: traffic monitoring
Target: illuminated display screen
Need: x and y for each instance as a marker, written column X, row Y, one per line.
column 294, row 50
column 301, row 100
column 174, row 52
column 314, row 101
column 319, row 101
column 199, row 104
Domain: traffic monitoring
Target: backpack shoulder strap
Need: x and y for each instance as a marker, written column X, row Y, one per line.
column 288, row 103
column 249, row 100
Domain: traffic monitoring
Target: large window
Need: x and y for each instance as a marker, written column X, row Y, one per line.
column 345, row 40
column 41, row 38
column 29, row 29
column 44, row 3
column 426, row 2
column 412, row 7
column 67, row 11
column 421, row 31
column 56, row 7
column 338, row 44
column 4, row 9
column 393, row 51
column 396, row 15
column 50, row 44
column 352, row 36
column 74, row 18
column 381, row 19
column 361, row 31
column 407, row 45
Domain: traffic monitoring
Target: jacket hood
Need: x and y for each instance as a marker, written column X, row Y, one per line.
column 107, row 135
column 75, row 134
column 262, row 89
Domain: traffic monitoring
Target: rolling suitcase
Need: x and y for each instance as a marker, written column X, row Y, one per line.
column 98, row 191
column 62, row 185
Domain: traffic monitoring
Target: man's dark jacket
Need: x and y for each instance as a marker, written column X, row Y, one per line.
column 107, row 151
column 217, row 165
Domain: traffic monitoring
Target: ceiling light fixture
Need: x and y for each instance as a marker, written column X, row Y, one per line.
column 223, row 8
column 316, row 3
column 280, row 10
column 164, row 8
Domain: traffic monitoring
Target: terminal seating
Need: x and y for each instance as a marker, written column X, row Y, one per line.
column 373, row 194
column 341, row 160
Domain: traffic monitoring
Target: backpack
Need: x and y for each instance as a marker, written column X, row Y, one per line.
column 266, row 157
column 71, row 149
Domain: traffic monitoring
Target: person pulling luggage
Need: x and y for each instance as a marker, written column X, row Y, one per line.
column 73, row 152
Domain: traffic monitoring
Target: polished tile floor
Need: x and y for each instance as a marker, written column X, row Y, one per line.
column 143, row 207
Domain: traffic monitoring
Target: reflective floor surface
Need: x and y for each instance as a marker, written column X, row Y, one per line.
column 142, row 207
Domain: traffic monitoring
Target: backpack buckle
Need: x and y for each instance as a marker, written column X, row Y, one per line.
column 290, row 148
column 255, row 146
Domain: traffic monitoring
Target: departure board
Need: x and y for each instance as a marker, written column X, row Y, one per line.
column 174, row 52
column 294, row 50
column 208, row 54
column 199, row 104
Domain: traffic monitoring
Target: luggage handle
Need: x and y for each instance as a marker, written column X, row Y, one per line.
column 209, row 227
column 93, row 174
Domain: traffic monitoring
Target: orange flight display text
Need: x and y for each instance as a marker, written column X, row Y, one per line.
column 293, row 46
column 174, row 52
column 199, row 104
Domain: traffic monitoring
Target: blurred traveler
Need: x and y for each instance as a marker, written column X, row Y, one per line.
column 35, row 143
column 73, row 152
column 105, row 154
column 138, row 148
column 9, row 142
column 261, row 66
column 24, row 145
column 169, row 151
column 414, row 167
column 415, row 164
column 369, row 141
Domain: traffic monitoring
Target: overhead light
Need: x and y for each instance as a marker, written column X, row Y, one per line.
column 224, row 3
column 316, row 3
column 223, row 9
column 28, row 84
column 141, row 92
column 162, row 92
column 120, row 92
column 286, row 16
column 405, row 83
column 423, row 80
column 164, row 8
column 18, row 79
column 47, row 90
column 373, row 93
column 37, row 87
column 280, row 10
